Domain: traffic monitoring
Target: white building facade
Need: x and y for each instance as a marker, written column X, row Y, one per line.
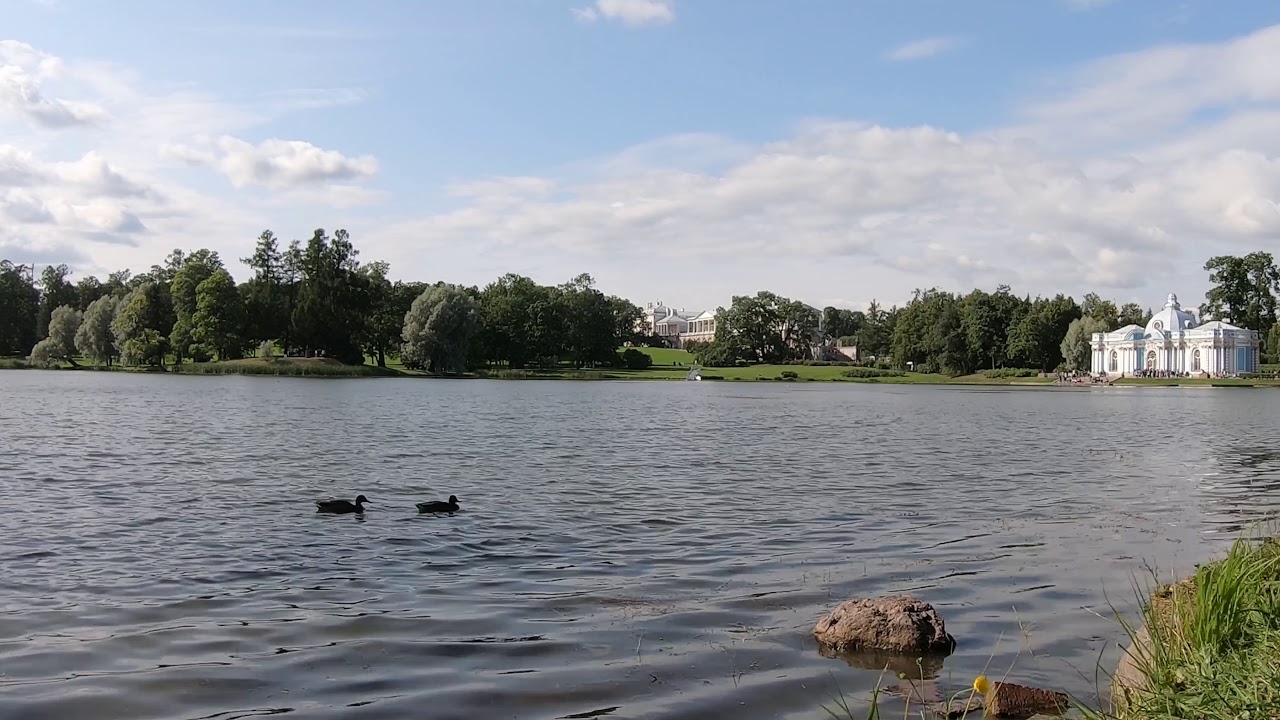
column 1175, row 341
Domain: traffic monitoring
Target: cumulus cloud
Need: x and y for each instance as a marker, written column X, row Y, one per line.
column 924, row 48
column 629, row 12
column 276, row 163
column 18, row 168
column 1112, row 181
column 23, row 70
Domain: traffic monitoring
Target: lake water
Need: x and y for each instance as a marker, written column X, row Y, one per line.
column 658, row 549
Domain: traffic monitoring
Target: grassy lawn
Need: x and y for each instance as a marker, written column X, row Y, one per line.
column 668, row 356
column 1213, row 647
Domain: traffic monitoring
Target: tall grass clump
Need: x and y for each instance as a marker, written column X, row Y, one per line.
column 1210, row 647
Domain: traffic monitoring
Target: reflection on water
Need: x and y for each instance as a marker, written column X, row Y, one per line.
column 643, row 550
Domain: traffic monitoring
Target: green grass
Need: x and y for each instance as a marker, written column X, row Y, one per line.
column 14, row 364
column 668, row 356
column 1214, row 647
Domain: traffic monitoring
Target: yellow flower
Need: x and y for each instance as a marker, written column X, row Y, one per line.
column 981, row 684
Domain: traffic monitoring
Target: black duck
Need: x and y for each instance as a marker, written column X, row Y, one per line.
column 342, row 506
column 436, row 506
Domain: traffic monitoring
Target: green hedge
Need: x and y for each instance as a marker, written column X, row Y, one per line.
column 866, row 372
column 1010, row 373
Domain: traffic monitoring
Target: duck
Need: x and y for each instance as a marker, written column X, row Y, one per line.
column 436, row 506
column 342, row 506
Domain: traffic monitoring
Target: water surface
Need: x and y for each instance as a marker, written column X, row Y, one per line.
column 625, row 550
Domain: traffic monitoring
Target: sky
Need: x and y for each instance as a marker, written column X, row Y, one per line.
column 832, row 151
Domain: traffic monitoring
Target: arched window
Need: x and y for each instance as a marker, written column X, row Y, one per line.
column 1115, row 362
column 1151, row 360
column 1195, row 360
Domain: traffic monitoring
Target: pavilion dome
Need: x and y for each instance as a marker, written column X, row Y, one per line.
column 1171, row 318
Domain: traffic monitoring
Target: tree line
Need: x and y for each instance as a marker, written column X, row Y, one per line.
column 958, row 334
column 308, row 299
column 316, row 298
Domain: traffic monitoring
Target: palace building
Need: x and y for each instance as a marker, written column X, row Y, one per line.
column 1175, row 341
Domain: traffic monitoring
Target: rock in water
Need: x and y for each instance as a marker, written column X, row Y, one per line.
column 900, row 624
column 1018, row 701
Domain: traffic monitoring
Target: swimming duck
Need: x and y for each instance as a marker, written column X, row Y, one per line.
column 436, row 506
column 342, row 506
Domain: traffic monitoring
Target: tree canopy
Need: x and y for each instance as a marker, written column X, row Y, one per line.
column 317, row 298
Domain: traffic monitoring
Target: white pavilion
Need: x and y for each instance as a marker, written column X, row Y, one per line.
column 1175, row 341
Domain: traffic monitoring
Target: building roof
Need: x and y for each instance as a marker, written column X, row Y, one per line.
column 1218, row 325
column 1171, row 318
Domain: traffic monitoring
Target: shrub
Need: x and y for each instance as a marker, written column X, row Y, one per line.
column 789, row 375
column 267, row 350
column 200, row 353
column 866, row 372
column 633, row 359
column 42, row 354
column 1010, row 373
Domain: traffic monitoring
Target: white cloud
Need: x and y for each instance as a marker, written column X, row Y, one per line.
column 925, row 48
column 275, row 163
column 1047, row 205
column 629, row 12
column 23, row 70
column 1123, row 176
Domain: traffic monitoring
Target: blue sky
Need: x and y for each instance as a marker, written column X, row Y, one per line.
column 688, row 150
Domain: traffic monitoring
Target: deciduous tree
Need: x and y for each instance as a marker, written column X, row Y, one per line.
column 95, row 340
column 438, row 329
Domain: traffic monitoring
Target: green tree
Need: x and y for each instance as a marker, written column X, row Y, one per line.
column 438, row 329
column 89, row 289
column 876, row 335
column 332, row 300
column 19, row 308
column 1036, row 339
column 987, row 319
column 64, row 323
column 628, row 319
column 930, row 334
column 1104, row 311
column 522, row 323
column 840, row 322
column 268, row 295
column 592, row 338
column 218, row 322
column 388, row 304
column 95, row 340
column 140, row 325
column 764, row 328
column 188, row 272
column 1133, row 314
column 1273, row 345
column 1244, row 289
column 55, row 291
column 1077, row 345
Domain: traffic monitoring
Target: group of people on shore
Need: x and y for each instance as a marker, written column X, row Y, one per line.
column 1081, row 377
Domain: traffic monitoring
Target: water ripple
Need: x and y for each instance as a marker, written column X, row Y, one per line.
column 626, row 550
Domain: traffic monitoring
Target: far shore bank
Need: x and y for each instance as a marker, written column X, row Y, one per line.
column 328, row 368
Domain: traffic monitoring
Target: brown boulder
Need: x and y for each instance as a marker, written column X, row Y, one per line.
column 900, row 624
column 1002, row 699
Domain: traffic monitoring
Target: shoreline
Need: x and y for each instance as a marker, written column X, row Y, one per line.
column 801, row 374
column 1208, row 645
